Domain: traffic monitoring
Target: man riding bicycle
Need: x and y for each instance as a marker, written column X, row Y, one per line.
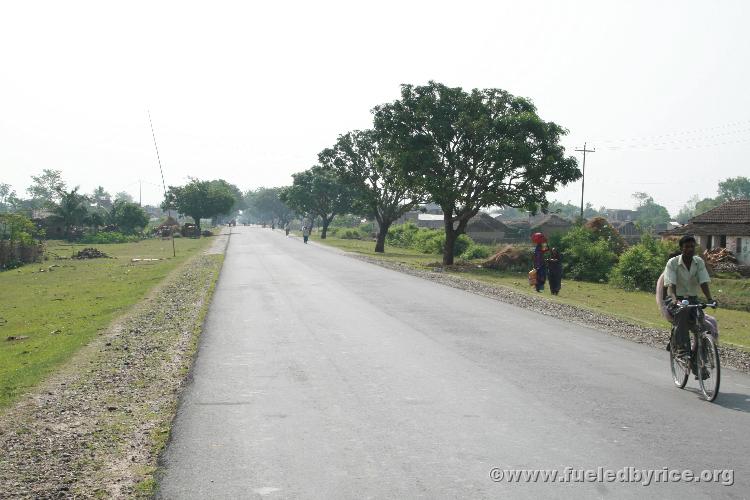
column 683, row 276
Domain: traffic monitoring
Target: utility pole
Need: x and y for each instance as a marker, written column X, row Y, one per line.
column 163, row 183
column 140, row 192
column 583, row 178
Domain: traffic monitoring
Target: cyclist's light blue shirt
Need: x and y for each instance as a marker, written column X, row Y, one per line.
column 687, row 282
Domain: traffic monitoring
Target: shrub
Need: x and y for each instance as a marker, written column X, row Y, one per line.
column 367, row 228
column 350, row 234
column 402, row 235
column 475, row 251
column 587, row 257
column 640, row 266
column 423, row 240
column 109, row 237
column 591, row 261
column 588, row 254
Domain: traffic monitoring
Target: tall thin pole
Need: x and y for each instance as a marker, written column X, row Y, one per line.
column 164, row 184
column 583, row 177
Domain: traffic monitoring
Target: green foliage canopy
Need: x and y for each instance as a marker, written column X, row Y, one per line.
column 471, row 150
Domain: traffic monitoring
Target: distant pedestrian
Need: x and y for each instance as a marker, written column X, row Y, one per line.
column 286, row 228
column 540, row 265
column 554, row 270
column 306, row 233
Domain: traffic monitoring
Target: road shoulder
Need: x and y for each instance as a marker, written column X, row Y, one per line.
column 96, row 427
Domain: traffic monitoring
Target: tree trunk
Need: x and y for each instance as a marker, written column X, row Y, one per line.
column 326, row 222
column 450, row 243
column 382, row 233
column 197, row 227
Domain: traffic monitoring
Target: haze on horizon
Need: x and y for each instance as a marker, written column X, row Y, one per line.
column 251, row 93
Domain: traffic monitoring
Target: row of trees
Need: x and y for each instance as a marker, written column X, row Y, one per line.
column 463, row 150
column 72, row 209
column 45, row 191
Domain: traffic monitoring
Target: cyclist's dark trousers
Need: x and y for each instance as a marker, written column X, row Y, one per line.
column 684, row 320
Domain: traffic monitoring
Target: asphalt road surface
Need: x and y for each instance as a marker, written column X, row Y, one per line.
column 321, row 376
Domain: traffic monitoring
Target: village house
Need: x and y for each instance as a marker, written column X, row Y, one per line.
column 550, row 224
column 483, row 228
column 629, row 231
column 619, row 215
column 726, row 226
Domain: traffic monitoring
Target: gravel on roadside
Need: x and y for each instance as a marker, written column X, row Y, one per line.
column 95, row 428
column 730, row 356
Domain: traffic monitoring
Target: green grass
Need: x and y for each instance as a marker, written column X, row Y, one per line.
column 60, row 305
column 635, row 307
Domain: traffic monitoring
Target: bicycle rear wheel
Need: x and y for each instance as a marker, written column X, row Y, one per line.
column 680, row 369
column 709, row 367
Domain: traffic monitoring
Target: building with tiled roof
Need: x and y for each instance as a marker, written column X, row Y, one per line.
column 726, row 226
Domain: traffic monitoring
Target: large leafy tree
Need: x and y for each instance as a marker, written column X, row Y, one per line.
column 124, row 196
column 101, row 198
column 46, row 188
column 265, row 205
column 648, row 212
column 6, row 196
column 379, row 187
column 319, row 192
column 201, row 200
column 734, row 188
column 471, row 150
column 128, row 217
column 71, row 210
column 239, row 199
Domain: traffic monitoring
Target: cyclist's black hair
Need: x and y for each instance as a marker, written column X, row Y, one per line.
column 687, row 238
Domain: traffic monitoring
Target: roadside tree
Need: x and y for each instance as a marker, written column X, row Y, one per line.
column 379, row 188
column 200, row 200
column 472, row 150
column 266, row 206
column 320, row 192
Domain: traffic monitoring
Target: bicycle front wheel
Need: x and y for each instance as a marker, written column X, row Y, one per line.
column 709, row 367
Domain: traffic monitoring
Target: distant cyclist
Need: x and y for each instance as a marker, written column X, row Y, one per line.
column 684, row 276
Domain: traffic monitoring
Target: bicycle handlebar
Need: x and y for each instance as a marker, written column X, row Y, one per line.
column 701, row 305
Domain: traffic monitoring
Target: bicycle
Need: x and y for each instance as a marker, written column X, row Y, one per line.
column 704, row 354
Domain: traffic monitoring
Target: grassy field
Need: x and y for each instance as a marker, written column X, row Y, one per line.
column 634, row 307
column 61, row 304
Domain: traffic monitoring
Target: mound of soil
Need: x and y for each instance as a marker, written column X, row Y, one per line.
column 91, row 253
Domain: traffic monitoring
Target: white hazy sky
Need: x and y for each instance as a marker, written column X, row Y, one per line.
column 251, row 91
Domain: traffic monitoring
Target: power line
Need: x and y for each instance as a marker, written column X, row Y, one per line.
column 743, row 123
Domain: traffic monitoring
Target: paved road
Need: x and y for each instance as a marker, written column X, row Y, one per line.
column 320, row 376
